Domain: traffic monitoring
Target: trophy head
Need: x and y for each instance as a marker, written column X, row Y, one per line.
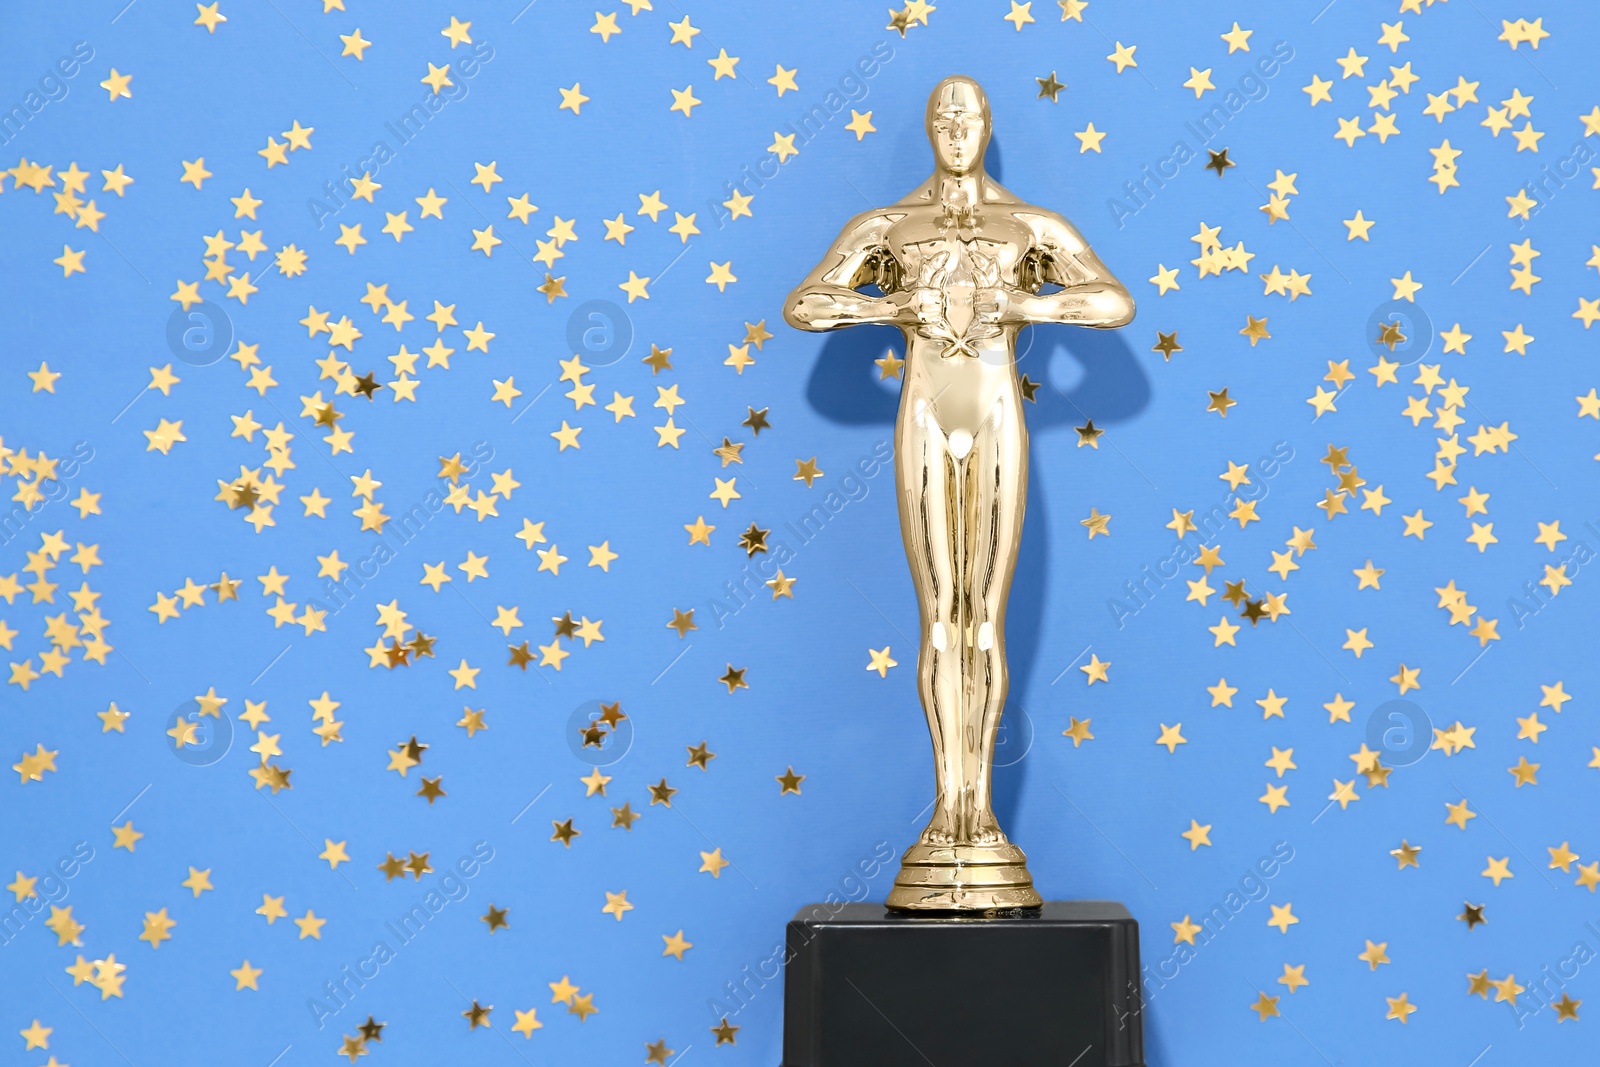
column 958, row 125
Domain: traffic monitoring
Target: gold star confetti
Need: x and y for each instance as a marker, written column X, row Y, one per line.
column 85, row 524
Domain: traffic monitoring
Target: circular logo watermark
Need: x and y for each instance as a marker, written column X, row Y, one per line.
column 1400, row 732
column 200, row 335
column 599, row 734
column 1399, row 331
column 196, row 738
column 600, row 332
column 1014, row 738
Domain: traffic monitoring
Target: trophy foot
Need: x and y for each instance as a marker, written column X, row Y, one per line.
column 941, row 829
column 988, row 832
column 964, row 877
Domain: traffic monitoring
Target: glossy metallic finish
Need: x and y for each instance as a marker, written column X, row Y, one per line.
column 962, row 266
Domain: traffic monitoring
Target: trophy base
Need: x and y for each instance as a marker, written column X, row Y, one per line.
column 963, row 878
column 869, row 987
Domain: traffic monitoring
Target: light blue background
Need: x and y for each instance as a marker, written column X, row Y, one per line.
column 1099, row 821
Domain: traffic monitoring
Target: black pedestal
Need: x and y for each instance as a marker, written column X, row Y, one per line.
column 870, row 987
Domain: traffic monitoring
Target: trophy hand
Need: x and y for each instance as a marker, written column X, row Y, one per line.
column 993, row 309
column 990, row 306
column 1003, row 306
column 921, row 307
column 994, row 304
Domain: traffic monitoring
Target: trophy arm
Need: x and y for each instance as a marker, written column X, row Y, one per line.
column 1101, row 305
column 1090, row 294
column 819, row 306
column 830, row 295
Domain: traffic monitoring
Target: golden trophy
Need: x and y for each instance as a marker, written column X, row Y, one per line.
column 961, row 265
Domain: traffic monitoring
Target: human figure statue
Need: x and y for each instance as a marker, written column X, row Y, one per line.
column 961, row 265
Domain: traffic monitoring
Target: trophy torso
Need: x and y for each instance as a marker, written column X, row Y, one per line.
column 960, row 362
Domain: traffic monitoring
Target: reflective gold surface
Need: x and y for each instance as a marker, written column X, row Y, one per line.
column 962, row 266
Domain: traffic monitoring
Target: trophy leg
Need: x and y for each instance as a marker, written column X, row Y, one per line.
column 941, row 700
column 961, row 538
column 941, row 827
column 993, row 494
column 920, row 474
